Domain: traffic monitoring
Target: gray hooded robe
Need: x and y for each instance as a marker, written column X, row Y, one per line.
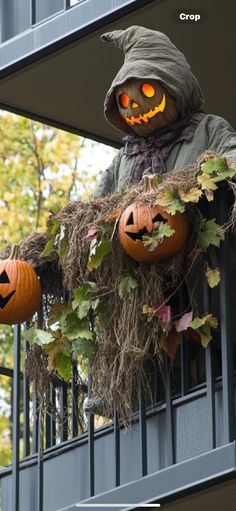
column 151, row 55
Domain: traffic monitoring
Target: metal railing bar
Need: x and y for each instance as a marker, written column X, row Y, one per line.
column 33, row 12
column 169, row 414
column 117, row 448
column 143, row 433
column 16, row 419
column 91, row 464
column 35, row 423
column 40, row 463
column 63, row 412
column 74, row 396
column 91, row 455
column 26, row 406
column 225, row 315
column 209, row 372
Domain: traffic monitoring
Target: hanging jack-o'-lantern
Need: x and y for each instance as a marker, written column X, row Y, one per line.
column 145, row 105
column 20, row 290
column 140, row 220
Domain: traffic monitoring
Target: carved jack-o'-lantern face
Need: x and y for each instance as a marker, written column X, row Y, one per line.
column 20, row 291
column 139, row 220
column 145, row 105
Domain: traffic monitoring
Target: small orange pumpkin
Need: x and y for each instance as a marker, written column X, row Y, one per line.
column 138, row 220
column 20, row 290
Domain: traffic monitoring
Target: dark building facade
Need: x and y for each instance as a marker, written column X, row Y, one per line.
column 180, row 451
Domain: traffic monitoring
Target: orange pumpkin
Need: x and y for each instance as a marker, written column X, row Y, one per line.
column 138, row 220
column 20, row 290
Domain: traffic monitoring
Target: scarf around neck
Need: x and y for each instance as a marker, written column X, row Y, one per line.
column 152, row 152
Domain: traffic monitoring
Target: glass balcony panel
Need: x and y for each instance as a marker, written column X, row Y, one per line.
column 15, row 18
column 45, row 9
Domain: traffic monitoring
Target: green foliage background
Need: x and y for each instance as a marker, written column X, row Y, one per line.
column 40, row 169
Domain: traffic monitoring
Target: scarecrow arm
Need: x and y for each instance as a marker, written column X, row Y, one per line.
column 107, row 183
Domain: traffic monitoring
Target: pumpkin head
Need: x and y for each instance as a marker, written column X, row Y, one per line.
column 145, row 105
column 140, row 219
column 20, row 290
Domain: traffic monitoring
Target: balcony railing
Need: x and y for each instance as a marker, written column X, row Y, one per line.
column 188, row 416
column 16, row 17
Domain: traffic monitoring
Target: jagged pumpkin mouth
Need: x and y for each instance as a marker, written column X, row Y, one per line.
column 145, row 118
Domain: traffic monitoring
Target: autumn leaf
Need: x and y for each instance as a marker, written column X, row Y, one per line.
column 146, row 309
column 37, row 336
column 206, row 182
column 207, row 319
column 209, row 195
column 215, row 164
column 152, row 240
column 192, row 195
column 62, row 363
column 205, row 335
column 126, row 284
column 210, row 234
column 84, row 347
column 212, row 276
column 164, row 313
column 91, row 234
column 98, row 250
column 184, row 322
column 169, row 343
column 171, row 201
column 219, row 169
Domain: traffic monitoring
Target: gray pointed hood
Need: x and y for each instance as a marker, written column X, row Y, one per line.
column 151, row 54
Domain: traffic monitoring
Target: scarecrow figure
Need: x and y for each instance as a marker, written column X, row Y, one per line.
column 157, row 102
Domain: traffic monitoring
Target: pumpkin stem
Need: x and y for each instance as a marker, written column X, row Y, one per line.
column 150, row 183
column 15, row 252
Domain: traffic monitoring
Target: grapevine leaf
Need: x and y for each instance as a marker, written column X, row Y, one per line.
column 192, row 195
column 171, row 201
column 206, row 182
column 49, row 245
column 63, row 248
column 151, row 241
column 91, row 234
column 169, row 343
column 83, row 309
column 209, row 195
column 62, row 363
column 164, row 313
column 54, row 228
column 208, row 319
column 216, row 164
column 38, row 336
column 75, row 327
column 126, row 284
column 210, row 234
column 184, row 322
column 212, row 276
column 205, row 335
column 84, row 347
column 97, row 253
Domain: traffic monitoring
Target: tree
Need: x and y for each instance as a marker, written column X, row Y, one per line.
column 40, row 169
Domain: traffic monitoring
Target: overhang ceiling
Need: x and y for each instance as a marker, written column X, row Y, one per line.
column 67, row 87
column 217, row 498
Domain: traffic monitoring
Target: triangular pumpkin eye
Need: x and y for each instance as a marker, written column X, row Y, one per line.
column 158, row 218
column 4, row 279
column 130, row 220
